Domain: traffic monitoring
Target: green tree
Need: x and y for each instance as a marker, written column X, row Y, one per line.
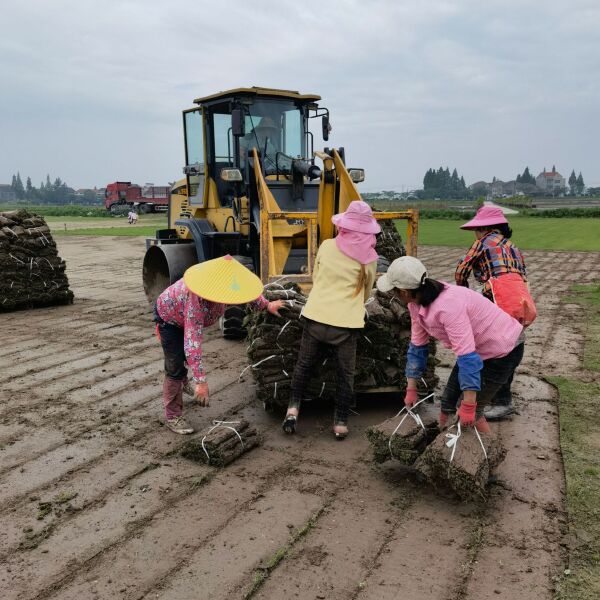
column 573, row 182
column 18, row 187
column 29, row 190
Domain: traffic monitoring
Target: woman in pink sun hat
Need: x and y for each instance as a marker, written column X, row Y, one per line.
column 334, row 314
column 498, row 265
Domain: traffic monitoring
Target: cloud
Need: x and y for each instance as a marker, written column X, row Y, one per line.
column 93, row 91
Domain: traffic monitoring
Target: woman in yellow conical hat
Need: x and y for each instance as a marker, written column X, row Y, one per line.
column 183, row 310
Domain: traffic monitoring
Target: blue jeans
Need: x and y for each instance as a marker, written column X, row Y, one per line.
column 496, row 377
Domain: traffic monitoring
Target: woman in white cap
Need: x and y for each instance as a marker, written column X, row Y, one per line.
column 182, row 312
column 343, row 276
column 499, row 267
column 486, row 340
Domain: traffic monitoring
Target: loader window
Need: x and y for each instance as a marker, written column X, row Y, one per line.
column 194, row 156
column 273, row 126
column 223, row 139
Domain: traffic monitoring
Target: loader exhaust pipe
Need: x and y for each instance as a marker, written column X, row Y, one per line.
column 164, row 265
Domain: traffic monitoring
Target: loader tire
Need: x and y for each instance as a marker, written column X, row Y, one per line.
column 233, row 318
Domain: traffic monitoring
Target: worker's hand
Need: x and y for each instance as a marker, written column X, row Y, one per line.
column 201, row 393
column 466, row 413
column 275, row 306
column 411, row 398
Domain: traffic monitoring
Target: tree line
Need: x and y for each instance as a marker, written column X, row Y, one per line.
column 50, row 192
column 444, row 185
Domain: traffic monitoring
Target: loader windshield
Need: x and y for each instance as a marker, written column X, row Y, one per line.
column 272, row 127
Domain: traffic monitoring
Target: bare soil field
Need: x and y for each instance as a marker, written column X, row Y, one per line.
column 95, row 502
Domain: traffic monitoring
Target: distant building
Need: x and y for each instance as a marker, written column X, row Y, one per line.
column 551, row 182
column 7, row 194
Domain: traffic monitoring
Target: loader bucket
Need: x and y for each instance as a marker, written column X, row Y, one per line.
column 164, row 265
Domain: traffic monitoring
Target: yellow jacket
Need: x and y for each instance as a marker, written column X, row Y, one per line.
column 335, row 276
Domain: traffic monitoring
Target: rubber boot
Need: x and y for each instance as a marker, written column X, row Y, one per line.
column 173, row 397
column 482, row 425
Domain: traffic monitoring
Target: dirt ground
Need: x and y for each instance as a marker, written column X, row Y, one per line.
column 95, row 503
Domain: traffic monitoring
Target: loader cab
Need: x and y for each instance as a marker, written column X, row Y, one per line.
column 221, row 133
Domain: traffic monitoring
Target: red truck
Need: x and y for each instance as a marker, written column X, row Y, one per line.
column 121, row 195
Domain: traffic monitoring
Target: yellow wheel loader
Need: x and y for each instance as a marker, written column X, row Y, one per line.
column 255, row 188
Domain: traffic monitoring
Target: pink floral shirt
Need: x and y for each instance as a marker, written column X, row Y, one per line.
column 178, row 306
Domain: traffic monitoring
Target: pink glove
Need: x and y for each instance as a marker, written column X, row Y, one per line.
column 466, row 413
column 201, row 393
column 411, row 398
column 275, row 306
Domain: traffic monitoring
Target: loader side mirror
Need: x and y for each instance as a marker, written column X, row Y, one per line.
column 326, row 126
column 237, row 122
column 357, row 175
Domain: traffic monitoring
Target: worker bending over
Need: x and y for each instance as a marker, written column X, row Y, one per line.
column 334, row 315
column 487, row 341
column 182, row 312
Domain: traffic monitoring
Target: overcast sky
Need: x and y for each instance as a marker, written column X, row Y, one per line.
column 92, row 90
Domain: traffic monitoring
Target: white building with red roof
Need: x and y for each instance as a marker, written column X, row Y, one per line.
column 551, row 182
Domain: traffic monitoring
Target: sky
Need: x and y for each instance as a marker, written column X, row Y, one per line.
column 92, row 90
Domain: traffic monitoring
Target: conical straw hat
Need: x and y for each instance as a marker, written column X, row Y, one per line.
column 223, row 280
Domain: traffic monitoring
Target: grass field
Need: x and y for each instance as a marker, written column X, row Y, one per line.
column 580, row 440
column 67, row 225
column 529, row 233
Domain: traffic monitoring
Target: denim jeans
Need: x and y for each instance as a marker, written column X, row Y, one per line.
column 496, row 375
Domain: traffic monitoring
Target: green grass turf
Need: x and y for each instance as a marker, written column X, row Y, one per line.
column 529, row 233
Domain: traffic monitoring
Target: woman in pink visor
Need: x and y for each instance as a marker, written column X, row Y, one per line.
column 334, row 315
column 498, row 265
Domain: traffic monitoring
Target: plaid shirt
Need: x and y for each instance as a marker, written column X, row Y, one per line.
column 491, row 256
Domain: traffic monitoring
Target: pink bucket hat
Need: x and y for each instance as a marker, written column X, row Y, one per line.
column 486, row 217
column 358, row 217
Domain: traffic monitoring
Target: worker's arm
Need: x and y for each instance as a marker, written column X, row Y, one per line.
column 261, row 303
column 416, row 356
column 197, row 313
column 465, row 266
column 462, row 341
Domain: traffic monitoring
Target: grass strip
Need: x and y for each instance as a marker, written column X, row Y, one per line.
column 580, row 444
column 135, row 231
column 262, row 574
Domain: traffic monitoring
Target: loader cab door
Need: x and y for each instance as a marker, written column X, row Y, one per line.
column 194, row 156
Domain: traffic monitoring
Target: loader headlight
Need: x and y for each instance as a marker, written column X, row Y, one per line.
column 357, row 175
column 231, row 175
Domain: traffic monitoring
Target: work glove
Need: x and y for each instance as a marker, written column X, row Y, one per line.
column 275, row 306
column 201, row 393
column 411, row 398
column 466, row 413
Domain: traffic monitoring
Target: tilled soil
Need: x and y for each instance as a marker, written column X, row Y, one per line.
column 95, row 501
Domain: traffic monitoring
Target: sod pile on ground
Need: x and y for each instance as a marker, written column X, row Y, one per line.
column 389, row 242
column 468, row 472
column 273, row 345
column 219, row 445
column 31, row 272
column 401, row 437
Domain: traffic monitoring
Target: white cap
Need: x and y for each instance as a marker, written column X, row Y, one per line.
column 405, row 273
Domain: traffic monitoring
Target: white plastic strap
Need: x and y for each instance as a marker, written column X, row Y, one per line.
column 281, row 330
column 256, row 364
column 454, row 437
column 409, row 412
column 227, row 425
